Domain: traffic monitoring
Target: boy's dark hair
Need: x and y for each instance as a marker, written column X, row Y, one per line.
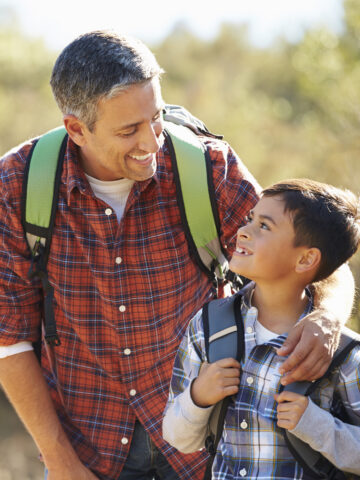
column 324, row 217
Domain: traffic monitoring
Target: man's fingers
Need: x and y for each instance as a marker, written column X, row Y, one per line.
column 294, row 360
column 291, row 341
column 317, row 370
column 305, row 364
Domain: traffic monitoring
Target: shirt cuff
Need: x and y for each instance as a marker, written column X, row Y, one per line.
column 15, row 349
column 193, row 413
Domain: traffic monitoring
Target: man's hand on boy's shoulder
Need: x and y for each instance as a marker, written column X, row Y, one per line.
column 216, row 381
column 290, row 409
column 310, row 345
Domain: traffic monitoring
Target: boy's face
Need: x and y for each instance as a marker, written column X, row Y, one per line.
column 265, row 245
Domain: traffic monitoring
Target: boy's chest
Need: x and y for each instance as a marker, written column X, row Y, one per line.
column 254, row 405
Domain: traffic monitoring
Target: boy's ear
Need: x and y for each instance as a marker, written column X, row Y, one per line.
column 76, row 129
column 308, row 260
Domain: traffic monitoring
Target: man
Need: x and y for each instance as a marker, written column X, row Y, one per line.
column 124, row 283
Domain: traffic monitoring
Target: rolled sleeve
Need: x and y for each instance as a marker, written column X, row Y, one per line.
column 20, row 297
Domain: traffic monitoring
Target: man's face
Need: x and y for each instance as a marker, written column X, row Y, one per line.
column 126, row 135
column 265, row 248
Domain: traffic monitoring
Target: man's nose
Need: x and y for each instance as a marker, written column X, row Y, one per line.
column 150, row 140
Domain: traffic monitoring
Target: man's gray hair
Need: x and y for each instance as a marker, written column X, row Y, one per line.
column 99, row 65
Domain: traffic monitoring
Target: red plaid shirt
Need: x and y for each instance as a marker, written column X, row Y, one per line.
column 124, row 294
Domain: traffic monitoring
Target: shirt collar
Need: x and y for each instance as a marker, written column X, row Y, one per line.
column 250, row 314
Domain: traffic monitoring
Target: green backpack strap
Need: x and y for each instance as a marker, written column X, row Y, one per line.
column 38, row 207
column 196, row 199
column 41, row 185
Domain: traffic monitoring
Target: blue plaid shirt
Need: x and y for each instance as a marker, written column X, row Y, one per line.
column 252, row 446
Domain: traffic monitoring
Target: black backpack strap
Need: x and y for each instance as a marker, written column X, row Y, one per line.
column 314, row 464
column 224, row 337
column 38, row 208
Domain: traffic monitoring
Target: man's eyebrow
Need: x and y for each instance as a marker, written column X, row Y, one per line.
column 129, row 125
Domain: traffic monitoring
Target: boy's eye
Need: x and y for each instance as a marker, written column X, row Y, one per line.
column 248, row 219
column 264, row 226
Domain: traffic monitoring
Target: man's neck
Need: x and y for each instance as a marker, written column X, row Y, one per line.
column 279, row 308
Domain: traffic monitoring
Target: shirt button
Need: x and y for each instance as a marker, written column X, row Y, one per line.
column 250, row 380
column 108, row 211
column 249, row 330
column 124, row 441
column 243, row 424
column 243, row 472
column 118, row 260
column 122, row 308
column 127, row 351
column 132, row 392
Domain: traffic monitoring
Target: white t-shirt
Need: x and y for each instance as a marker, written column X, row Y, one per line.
column 262, row 334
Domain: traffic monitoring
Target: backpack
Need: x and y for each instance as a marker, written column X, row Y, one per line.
column 224, row 337
column 192, row 169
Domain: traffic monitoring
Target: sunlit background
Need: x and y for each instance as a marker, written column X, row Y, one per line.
column 279, row 79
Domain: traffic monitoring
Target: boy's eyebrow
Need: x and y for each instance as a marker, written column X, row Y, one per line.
column 267, row 217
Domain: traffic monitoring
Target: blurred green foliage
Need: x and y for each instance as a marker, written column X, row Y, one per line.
column 289, row 110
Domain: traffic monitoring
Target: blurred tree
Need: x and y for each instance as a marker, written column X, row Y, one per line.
column 27, row 108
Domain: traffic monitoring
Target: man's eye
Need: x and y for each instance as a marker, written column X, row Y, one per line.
column 128, row 133
column 248, row 219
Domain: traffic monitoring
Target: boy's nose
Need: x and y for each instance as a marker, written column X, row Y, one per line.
column 243, row 232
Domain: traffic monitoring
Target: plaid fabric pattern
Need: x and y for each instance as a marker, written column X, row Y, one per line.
column 124, row 294
column 252, row 446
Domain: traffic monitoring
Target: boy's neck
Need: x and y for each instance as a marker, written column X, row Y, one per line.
column 279, row 308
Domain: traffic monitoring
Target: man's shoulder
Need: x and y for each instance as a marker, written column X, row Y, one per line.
column 12, row 168
column 15, row 159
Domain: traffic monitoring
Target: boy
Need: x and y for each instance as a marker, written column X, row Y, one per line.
column 299, row 232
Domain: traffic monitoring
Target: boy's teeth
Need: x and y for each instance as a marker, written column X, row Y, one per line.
column 141, row 157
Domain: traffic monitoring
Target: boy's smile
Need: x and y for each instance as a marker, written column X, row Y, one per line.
column 265, row 245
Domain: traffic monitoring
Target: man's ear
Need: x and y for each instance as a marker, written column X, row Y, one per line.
column 76, row 129
column 308, row 260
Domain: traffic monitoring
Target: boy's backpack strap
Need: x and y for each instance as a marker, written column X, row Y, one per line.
column 315, row 465
column 196, row 199
column 224, row 329
column 224, row 337
column 38, row 207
